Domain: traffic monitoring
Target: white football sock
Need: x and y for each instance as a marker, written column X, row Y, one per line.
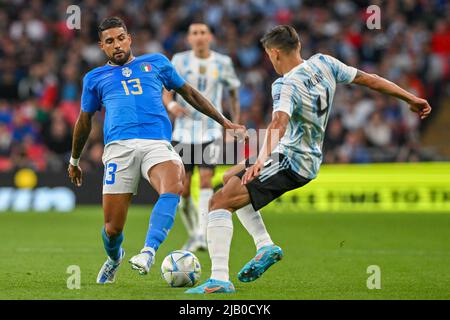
column 203, row 202
column 188, row 213
column 220, row 232
column 253, row 222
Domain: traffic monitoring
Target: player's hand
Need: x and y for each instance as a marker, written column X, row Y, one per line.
column 75, row 175
column 237, row 131
column 252, row 172
column 421, row 107
column 178, row 111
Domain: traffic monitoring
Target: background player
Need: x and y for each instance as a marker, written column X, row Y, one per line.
column 291, row 153
column 196, row 137
column 137, row 134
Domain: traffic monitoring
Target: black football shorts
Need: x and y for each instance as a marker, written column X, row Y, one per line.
column 275, row 178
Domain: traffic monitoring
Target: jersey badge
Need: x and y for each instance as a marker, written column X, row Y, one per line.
column 126, row 72
column 202, row 69
column 146, row 67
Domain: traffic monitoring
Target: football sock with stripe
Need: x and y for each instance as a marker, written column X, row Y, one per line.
column 161, row 220
column 219, row 234
column 205, row 196
column 254, row 224
column 112, row 245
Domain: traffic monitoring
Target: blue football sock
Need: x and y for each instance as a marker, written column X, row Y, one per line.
column 112, row 244
column 161, row 220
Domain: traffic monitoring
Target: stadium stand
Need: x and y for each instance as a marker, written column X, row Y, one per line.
column 42, row 63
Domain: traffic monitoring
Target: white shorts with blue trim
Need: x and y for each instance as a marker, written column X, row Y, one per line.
column 126, row 161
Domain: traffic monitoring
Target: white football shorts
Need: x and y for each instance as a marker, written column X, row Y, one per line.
column 126, row 161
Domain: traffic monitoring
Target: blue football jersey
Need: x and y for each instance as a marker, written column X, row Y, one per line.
column 132, row 97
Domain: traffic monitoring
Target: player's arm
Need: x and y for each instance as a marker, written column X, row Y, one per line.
column 80, row 135
column 275, row 131
column 199, row 102
column 90, row 103
column 377, row 83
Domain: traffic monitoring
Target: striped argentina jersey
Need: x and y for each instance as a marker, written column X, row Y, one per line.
column 306, row 93
column 209, row 76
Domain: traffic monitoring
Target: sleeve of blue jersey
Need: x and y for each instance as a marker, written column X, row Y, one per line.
column 90, row 101
column 169, row 76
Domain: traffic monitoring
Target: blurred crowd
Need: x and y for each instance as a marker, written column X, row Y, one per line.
column 42, row 63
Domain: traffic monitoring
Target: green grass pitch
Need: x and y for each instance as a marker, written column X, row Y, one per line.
column 326, row 256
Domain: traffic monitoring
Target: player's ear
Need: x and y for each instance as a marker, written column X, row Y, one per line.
column 277, row 54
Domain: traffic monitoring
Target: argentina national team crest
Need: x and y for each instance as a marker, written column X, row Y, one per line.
column 126, row 72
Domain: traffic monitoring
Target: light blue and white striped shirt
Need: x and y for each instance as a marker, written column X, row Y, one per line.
column 209, row 76
column 306, row 93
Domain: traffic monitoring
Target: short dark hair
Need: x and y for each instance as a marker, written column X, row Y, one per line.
column 111, row 22
column 282, row 37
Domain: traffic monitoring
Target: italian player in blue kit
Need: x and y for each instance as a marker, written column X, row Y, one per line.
column 137, row 135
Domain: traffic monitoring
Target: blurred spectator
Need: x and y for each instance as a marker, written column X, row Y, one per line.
column 354, row 148
column 334, row 139
column 377, row 131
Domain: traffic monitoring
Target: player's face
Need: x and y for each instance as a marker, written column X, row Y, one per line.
column 116, row 44
column 199, row 36
column 274, row 56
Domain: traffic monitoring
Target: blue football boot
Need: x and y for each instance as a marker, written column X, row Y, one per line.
column 264, row 259
column 213, row 286
column 109, row 269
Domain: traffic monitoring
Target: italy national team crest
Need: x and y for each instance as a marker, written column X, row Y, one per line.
column 146, row 67
column 126, row 72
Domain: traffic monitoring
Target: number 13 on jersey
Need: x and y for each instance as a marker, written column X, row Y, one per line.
column 135, row 86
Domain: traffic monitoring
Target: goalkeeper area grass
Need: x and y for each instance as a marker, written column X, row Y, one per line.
column 326, row 256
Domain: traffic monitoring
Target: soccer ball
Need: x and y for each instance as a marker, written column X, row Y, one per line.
column 181, row 268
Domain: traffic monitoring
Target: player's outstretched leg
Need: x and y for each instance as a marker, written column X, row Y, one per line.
column 267, row 253
column 161, row 221
column 254, row 224
column 167, row 178
column 219, row 233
